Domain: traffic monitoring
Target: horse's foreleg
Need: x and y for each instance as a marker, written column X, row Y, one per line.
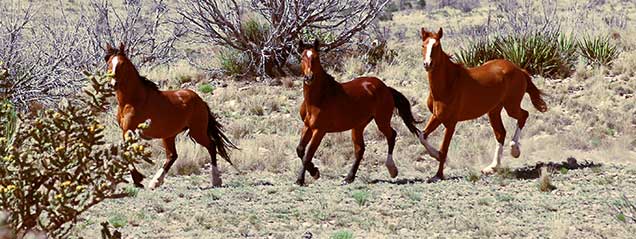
column 357, row 135
column 431, row 126
column 316, row 138
column 305, row 137
column 500, row 135
column 126, row 125
column 448, row 135
column 171, row 157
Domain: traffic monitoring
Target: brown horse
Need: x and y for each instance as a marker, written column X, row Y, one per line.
column 329, row 106
column 170, row 112
column 459, row 94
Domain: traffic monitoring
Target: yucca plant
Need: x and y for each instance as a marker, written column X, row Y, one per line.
column 598, row 50
column 477, row 53
column 537, row 52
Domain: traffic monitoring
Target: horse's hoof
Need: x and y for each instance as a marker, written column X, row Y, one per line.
column 488, row 170
column 300, row 182
column 515, row 151
column 393, row 171
column 315, row 174
column 155, row 184
column 435, row 179
column 217, row 183
column 347, row 181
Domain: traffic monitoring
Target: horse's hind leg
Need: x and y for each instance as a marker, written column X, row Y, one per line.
column 384, row 125
column 171, row 157
column 514, row 110
column 202, row 138
column 500, row 134
column 357, row 135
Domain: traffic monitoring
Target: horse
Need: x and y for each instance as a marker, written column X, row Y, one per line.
column 170, row 113
column 459, row 94
column 329, row 106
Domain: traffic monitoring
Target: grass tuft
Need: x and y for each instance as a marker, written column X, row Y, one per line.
column 206, row 88
column 342, row 234
column 361, row 197
column 118, row 221
column 545, row 184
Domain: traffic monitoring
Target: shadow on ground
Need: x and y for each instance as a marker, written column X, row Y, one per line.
column 534, row 172
column 525, row 173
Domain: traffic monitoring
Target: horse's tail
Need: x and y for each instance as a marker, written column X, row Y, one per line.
column 215, row 131
column 535, row 95
column 404, row 109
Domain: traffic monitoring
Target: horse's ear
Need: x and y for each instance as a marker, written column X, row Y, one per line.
column 424, row 34
column 109, row 51
column 440, row 33
column 122, row 47
column 317, row 44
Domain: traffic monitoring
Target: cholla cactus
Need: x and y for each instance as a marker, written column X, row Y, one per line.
column 58, row 165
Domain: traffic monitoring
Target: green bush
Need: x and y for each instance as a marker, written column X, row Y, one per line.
column 343, row 234
column 233, row 62
column 598, row 50
column 206, row 88
column 536, row 52
column 254, row 31
column 58, row 165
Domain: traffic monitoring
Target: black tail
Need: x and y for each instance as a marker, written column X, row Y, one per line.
column 404, row 109
column 222, row 143
column 535, row 95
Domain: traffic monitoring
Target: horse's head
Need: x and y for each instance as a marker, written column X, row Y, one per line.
column 118, row 65
column 431, row 48
column 310, row 60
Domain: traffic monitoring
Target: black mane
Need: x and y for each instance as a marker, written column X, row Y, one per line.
column 148, row 83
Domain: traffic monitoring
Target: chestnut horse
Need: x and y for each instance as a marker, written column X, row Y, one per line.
column 459, row 94
column 170, row 113
column 330, row 106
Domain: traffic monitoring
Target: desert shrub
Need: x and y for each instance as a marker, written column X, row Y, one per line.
column 361, row 197
column 233, row 62
column 421, row 4
column 463, row 5
column 254, row 31
column 218, row 22
column 598, row 50
column 342, row 234
column 378, row 52
column 58, row 165
column 206, row 88
column 536, row 52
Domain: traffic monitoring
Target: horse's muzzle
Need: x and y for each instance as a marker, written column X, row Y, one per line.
column 428, row 66
column 308, row 79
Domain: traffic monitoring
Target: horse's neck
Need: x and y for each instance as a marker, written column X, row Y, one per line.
column 132, row 93
column 442, row 78
column 323, row 85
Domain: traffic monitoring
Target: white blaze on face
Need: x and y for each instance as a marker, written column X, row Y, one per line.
column 309, row 53
column 429, row 49
column 114, row 62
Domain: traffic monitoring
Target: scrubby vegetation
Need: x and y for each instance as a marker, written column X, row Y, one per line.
column 56, row 165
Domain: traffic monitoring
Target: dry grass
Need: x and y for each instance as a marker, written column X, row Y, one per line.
column 592, row 116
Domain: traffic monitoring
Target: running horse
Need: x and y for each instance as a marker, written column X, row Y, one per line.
column 459, row 94
column 170, row 113
column 330, row 106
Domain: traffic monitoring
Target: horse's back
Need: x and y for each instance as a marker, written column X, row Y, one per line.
column 365, row 87
column 498, row 72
